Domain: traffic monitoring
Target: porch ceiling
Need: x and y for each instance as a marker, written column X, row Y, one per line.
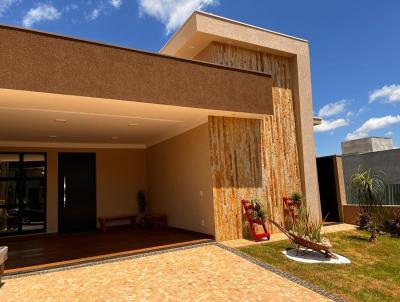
column 35, row 118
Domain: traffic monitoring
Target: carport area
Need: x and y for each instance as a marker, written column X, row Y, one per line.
column 160, row 149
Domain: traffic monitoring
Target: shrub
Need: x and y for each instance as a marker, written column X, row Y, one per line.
column 363, row 221
column 395, row 224
column 306, row 227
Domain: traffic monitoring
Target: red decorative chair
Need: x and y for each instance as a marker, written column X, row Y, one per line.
column 248, row 210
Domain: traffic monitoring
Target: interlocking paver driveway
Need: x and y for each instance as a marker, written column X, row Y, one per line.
column 205, row 273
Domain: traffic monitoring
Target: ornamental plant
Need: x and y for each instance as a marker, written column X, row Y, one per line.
column 367, row 188
column 296, row 198
column 307, row 227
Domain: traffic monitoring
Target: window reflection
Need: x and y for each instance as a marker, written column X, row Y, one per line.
column 34, row 165
column 22, row 193
column 9, row 165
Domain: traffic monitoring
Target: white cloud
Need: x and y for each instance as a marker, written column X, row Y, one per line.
column 102, row 9
column 6, row 4
column 349, row 114
column 389, row 134
column 172, row 13
column 333, row 108
column 70, row 7
column 95, row 13
column 374, row 123
column 40, row 13
column 390, row 94
column 116, row 3
column 329, row 125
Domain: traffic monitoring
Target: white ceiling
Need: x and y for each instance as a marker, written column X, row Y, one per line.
column 31, row 118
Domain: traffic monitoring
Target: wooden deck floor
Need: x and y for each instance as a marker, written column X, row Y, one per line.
column 53, row 250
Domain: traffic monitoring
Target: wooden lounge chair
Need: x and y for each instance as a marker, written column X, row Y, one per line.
column 323, row 248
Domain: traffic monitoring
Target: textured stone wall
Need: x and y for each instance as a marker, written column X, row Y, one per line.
column 279, row 169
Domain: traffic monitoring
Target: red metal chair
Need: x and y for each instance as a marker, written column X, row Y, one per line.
column 248, row 209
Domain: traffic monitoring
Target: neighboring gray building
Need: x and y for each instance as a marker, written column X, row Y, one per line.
column 368, row 144
column 383, row 158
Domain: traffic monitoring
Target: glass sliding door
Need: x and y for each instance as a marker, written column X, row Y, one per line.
column 22, row 193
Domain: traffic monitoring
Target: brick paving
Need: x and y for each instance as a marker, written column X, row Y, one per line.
column 204, row 273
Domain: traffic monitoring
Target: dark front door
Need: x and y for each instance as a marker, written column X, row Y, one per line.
column 76, row 192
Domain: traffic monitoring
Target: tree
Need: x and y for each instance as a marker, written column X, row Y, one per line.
column 368, row 189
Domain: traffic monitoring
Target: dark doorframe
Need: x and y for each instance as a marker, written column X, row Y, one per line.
column 76, row 192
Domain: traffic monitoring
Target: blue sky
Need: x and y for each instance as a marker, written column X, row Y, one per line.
column 355, row 47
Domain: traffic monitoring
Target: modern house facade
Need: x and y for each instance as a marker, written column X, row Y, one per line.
column 222, row 113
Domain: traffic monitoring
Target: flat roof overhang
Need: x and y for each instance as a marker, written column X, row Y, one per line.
column 42, row 62
column 201, row 28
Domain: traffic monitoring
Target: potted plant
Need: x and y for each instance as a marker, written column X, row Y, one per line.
column 142, row 206
column 258, row 213
column 142, row 201
column 296, row 199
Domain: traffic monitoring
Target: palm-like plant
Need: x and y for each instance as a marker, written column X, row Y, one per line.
column 367, row 188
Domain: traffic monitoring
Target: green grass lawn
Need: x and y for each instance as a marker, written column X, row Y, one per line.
column 373, row 275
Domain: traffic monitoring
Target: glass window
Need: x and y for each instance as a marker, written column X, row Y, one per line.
column 9, row 165
column 34, row 165
column 9, row 220
column 34, row 202
column 8, row 193
column 22, row 193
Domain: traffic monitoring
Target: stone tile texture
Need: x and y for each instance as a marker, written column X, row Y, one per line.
column 204, row 273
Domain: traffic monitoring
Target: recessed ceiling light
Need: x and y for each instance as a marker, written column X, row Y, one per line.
column 60, row 120
column 52, row 136
column 132, row 124
column 192, row 46
column 114, row 137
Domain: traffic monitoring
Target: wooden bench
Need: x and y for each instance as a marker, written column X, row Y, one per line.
column 156, row 220
column 104, row 219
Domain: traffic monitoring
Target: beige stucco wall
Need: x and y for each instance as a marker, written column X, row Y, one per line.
column 178, row 170
column 121, row 173
column 43, row 62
